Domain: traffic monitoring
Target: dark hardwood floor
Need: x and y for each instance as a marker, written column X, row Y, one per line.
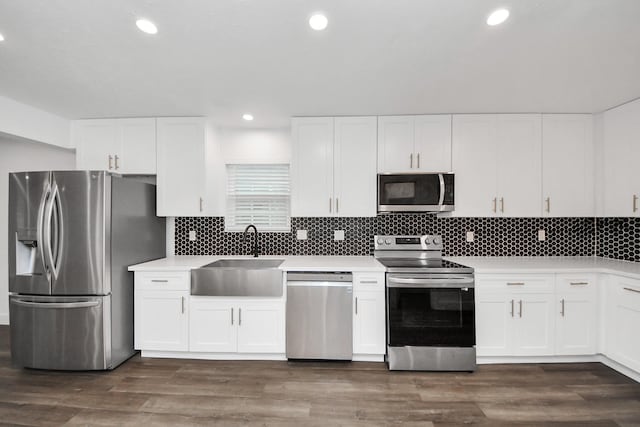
column 190, row 392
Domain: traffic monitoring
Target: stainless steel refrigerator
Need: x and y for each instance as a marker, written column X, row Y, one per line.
column 72, row 235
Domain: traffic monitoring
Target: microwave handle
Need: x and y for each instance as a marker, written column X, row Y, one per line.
column 441, row 201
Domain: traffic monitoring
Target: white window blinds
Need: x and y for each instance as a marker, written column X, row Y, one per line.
column 258, row 194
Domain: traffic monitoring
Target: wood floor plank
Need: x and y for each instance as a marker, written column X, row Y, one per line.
column 173, row 392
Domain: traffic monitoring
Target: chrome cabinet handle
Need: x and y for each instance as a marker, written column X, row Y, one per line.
column 182, row 298
column 418, row 160
column 562, row 310
column 520, row 313
column 495, row 205
column 512, row 308
column 356, row 305
column 579, row 283
column 231, row 316
column 548, row 201
column 159, row 280
column 116, row 162
column 330, row 201
column 200, row 204
column 632, row 290
column 502, row 204
column 368, row 281
column 110, row 162
column 411, row 161
column 337, row 205
column 515, row 283
column 635, row 203
column 239, row 317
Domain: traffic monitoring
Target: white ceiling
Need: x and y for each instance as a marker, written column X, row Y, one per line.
column 220, row 58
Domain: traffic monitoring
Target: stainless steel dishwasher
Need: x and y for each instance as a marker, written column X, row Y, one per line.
column 320, row 315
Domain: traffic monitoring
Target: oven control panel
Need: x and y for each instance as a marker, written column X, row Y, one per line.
column 408, row 243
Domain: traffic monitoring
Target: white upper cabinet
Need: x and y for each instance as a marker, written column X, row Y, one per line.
column 126, row 146
column 567, row 165
column 312, row 166
column 334, row 166
column 497, row 164
column 181, row 181
column 621, row 173
column 414, row 143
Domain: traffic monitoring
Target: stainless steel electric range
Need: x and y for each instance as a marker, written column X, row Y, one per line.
column 430, row 306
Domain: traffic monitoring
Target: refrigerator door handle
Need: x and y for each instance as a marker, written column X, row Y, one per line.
column 41, row 226
column 80, row 304
column 48, row 236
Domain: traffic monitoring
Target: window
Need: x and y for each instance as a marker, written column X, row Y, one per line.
column 258, row 194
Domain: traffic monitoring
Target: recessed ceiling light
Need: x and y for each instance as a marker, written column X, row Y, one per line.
column 146, row 26
column 248, row 117
column 318, row 22
column 497, row 17
column 1, row 38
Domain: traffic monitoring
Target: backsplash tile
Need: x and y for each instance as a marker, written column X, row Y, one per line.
column 618, row 238
column 493, row 236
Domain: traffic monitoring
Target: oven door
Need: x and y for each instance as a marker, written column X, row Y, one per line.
column 426, row 192
column 430, row 310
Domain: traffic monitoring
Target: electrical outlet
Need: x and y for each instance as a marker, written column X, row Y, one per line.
column 301, row 235
column 542, row 236
column 192, row 235
column 338, row 234
column 470, row 236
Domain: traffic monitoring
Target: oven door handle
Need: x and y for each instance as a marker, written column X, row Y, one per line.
column 403, row 282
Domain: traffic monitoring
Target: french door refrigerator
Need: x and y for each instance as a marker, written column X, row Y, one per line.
column 72, row 235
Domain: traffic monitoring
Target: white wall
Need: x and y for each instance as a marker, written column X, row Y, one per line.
column 255, row 145
column 28, row 122
column 21, row 155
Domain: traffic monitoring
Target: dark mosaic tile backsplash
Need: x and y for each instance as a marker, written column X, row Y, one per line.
column 493, row 236
column 618, row 238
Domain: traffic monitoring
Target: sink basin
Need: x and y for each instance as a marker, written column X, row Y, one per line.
column 252, row 264
column 238, row 278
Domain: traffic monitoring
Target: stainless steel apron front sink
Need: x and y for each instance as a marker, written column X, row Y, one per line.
column 239, row 277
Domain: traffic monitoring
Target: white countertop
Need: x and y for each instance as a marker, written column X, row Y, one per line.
column 550, row 265
column 291, row 263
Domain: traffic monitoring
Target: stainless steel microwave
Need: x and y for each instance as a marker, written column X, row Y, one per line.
column 415, row 192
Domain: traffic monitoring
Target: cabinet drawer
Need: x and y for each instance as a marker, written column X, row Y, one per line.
column 368, row 281
column 519, row 283
column 575, row 283
column 168, row 281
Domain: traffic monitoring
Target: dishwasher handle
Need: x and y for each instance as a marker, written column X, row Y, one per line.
column 320, row 276
column 301, row 284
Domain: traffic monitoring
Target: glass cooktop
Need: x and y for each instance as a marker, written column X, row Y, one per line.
column 425, row 265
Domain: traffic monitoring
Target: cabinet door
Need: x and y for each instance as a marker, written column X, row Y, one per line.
column 623, row 344
column 161, row 320
column 567, row 165
column 261, row 327
column 396, row 144
column 474, row 164
column 355, row 166
column 181, row 162
column 369, row 335
column 433, row 143
column 494, row 321
column 534, row 318
column 621, row 153
column 312, row 167
column 576, row 314
column 97, row 143
column 212, row 325
column 138, row 154
column 519, row 168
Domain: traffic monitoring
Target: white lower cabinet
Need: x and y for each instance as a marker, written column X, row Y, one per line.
column 514, row 315
column 622, row 321
column 230, row 325
column 369, row 335
column 576, row 315
column 161, row 311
